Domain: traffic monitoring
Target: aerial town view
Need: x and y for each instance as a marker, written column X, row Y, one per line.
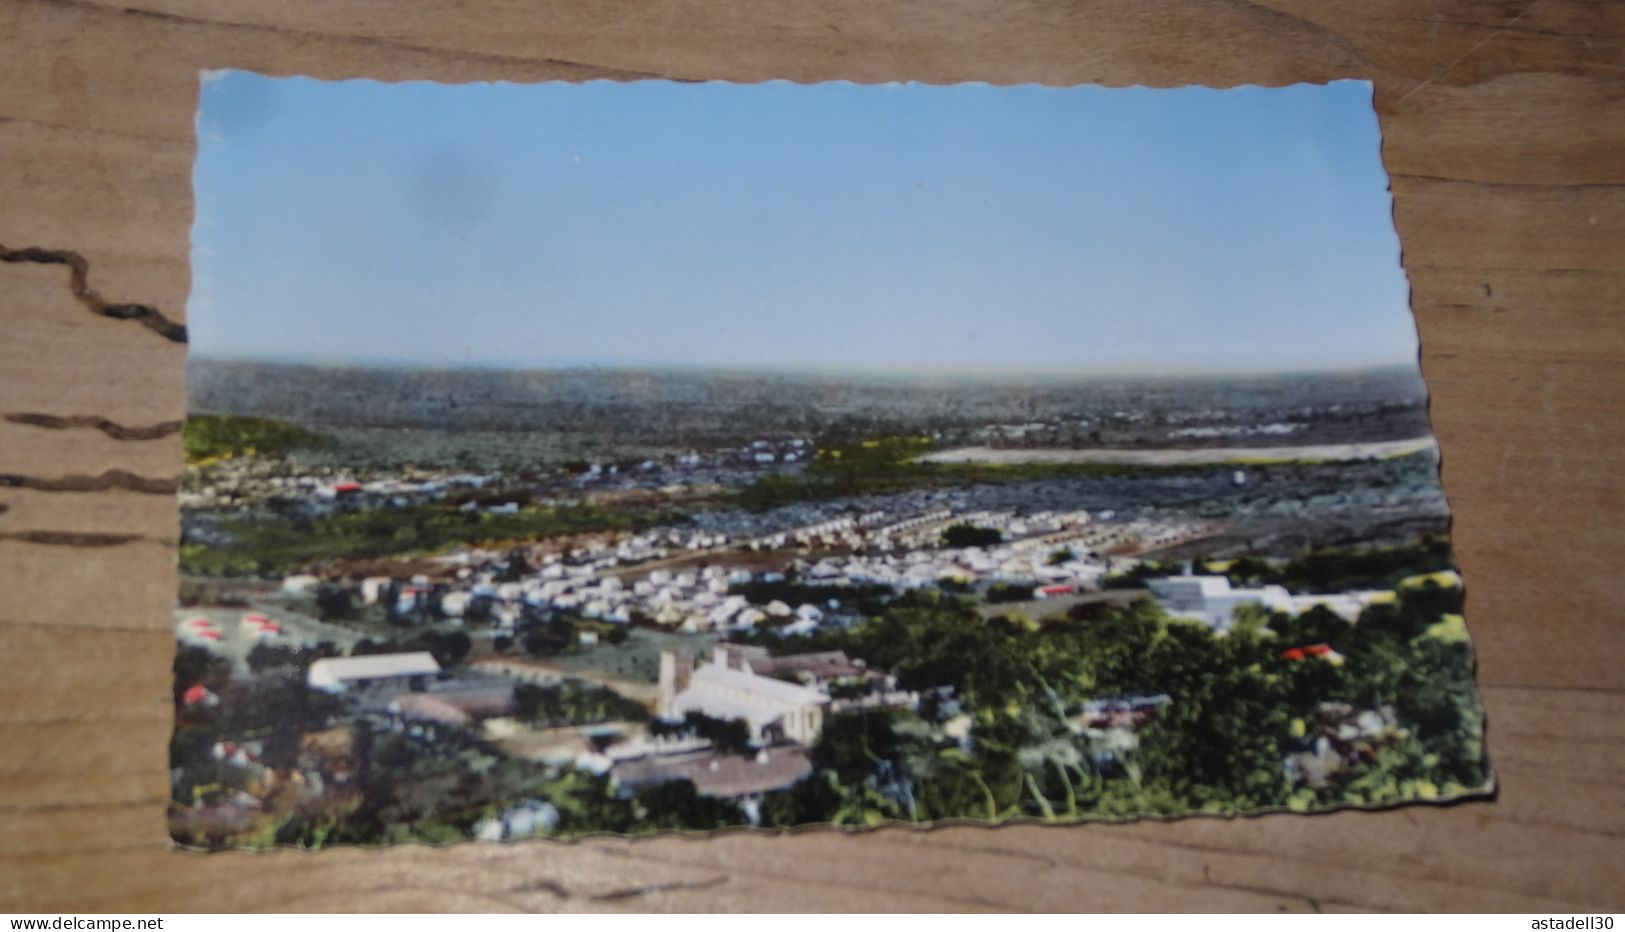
column 775, row 455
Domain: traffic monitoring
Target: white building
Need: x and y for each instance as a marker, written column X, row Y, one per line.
column 524, row 819
column 1209, row 599
column 773, row 709
column 337, row 674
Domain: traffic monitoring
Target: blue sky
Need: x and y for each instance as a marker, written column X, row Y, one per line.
column 878, row 227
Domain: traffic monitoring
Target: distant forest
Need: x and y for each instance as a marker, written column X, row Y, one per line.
column 714, row 408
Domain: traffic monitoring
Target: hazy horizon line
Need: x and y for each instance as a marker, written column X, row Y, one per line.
column 855, row 369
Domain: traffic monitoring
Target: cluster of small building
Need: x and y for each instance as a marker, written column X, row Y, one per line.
column 960, row 567
column 604, row 581
column 783, row 702
column 688, row 580
column 202, row 630
column 253, row 481
column 316, row 490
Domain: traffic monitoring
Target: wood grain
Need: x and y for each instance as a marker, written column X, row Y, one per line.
column 1504, row 128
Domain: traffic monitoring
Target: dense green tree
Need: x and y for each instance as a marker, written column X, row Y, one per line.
column 573, row 702
column 448, row 647
column 549, row 638
column 265, row 657
column 515, row 567
column 334, row 602
column 969, row 535
column 197, row 665
column 676, row 804
column 728, row 735
column 1318, row 625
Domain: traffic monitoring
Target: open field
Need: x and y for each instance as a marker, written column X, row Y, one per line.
column 1325, row 452
column 236, row 641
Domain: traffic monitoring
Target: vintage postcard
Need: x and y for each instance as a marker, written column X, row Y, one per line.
column 656, row 456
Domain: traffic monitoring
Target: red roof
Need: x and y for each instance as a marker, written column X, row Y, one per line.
column 194, row 694
column 255, row 618
column 211, row 635
column 1308, row 650
column 346, row 486
column 199, row 623
column 1056, row 590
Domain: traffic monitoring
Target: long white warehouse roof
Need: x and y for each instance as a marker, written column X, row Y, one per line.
column 335, row 672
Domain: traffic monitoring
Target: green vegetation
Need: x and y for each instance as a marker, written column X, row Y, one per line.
column 1001, row 592
column 274, row 711
column 969, row 535
column 1000, row 732
column 400, row 787
column 210, row 437
column 867, row 599
column 408, row 790
column 731, row 736
column 574, row 702
column 561, row 634
column 1236, row 710
column 891, row 464
column 449, row 648
column 268, row 546
column 1147, row 569
column 195, row 666
column 1342, row 569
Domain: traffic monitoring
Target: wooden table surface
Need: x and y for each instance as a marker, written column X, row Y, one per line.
column 1504, row 133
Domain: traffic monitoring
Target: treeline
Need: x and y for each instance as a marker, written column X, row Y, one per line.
column 890, row 464
column 999, row 733
column 1237, row 707
column 866, row 598
column 1330, row 569
column 1343, row 569
column 207, row 437
column 574, row 702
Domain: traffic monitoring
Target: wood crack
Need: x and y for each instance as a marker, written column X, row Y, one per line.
column 111, row 479
column 628, row 893
column 111, row 428
column 1549, row 185
column 1470, row 52
column 75, row 538
column 1514, row 29
column 78, row 282
column 592, row 70
column 98, row 131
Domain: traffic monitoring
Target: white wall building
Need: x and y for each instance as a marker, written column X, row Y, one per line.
column 1209, row 599
column 337, row 674
column 773, row 709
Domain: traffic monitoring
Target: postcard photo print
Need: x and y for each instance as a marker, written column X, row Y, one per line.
column 659, row 456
